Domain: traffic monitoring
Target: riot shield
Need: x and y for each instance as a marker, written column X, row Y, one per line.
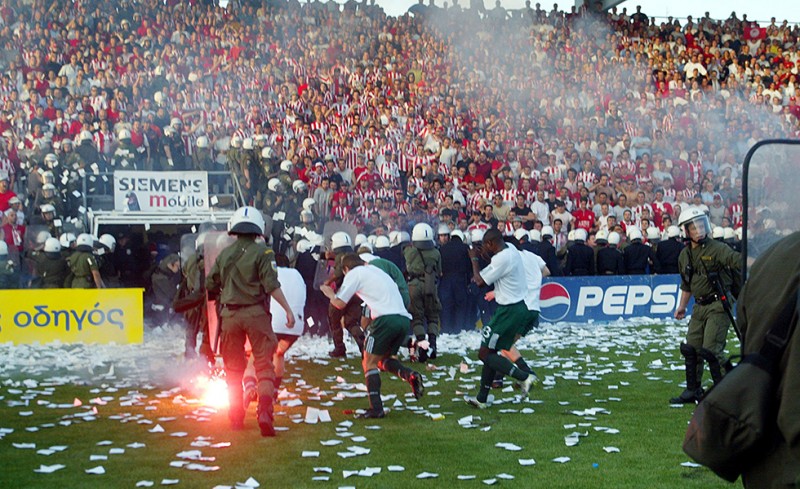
column 188, row 247
column 771, row 200
column 214, row 243
column 325, row 267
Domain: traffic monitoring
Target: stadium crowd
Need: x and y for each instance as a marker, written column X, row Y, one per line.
column 471, row 118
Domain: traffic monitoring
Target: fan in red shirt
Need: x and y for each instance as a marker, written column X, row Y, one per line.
column 584, row 217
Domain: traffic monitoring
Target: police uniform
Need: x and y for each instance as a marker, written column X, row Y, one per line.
column 580, row 260
column 51, row 270
column 772, row 284
column 610, row 261
column 244, row 275
column 548, row 254
column 456, row 274
column 9, row 278
column 81, row 264
column 196, row 317
column 708, row 326
column 351, row 315
column 638, row 257
column 425, row 306
column 667, row 255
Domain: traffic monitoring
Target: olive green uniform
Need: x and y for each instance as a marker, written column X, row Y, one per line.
column 81, row 264
column 708, row 326
column 244, row 275
column 351, row 315
column 51, row 270
column 425, row 305
column 772, row 283
column 196, row 317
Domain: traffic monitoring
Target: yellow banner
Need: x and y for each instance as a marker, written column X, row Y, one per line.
column 71, row 316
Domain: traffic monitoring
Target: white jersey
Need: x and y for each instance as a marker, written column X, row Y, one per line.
column 294, row 289
column 533, row 278
column 507, row 274
column 376, row 288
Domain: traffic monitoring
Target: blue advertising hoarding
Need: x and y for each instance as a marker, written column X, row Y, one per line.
column 609, row 298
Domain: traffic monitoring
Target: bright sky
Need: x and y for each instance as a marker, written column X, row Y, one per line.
column 755, row 10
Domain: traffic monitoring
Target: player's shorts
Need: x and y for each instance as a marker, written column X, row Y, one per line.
column 387, row 334
column 508, row 322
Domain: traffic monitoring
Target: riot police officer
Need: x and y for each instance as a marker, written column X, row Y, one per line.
column 456, row 274
column 548, row 252
column 637, row 255
column 705, row 266
column 609, row 258
column 244, row 277
column 341, row 244
column 580, row 259
column 424, row 267
column 668, row 251
column 83, row 265
column 51, row 266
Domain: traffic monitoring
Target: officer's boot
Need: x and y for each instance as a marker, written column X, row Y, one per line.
column 265, row 418
column 339, row 350
column 235, row 405
column 713, row 365
column 432, row 348
column 422, row 353
column 693, row 392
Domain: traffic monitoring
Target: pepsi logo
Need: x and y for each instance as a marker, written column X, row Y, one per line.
column 554, row 301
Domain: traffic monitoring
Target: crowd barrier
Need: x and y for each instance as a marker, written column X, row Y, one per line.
column 610, row 298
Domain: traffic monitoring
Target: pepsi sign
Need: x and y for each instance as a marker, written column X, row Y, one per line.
column 609, row 298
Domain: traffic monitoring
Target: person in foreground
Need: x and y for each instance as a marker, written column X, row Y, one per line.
column 387, row 332
column 244, row 277
column 506, row 272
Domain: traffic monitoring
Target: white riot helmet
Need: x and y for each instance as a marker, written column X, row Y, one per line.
column 443, row 229
column 175, row 123
column 602, row 236
column 404, row 237
column 246, row 220
column 299, row 186
column 109, row 242
column 247, row 143
column 48, row 208
column 729, row 233
column 286, row 165
column 521, row 233
column 202, row 142
column 718, row 233
column 634, row 233
column 694, row 219
column 580, row 235
column 457, row 233
column 422, row 236
column 341, row 242
column 66, row 240
column 535, row 235
column 236, row 141
column 308, row 204
column 547, row 232
column 476, row 236
column 267, row 153
column 3, row 248
column 394, row 237
column 613, row 238
column 85, row 136
column 304, row 245
column 360, row 239
column 382, row 243
column 673, row 231
column 124, row 134
column 738, row 233
column 571, row 235
column 274, row 184
column 42, row 237
column 653, row 234
column 52, row 245
column 51, row 160
column 85, row 240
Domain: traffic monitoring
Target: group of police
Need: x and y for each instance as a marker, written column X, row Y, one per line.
column 69, row 261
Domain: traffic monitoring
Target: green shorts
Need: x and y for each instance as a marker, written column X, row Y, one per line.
column 387, row 334
column 508, row 322
column 534, row 322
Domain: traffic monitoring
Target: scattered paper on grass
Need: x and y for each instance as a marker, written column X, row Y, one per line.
column 145, row 484
column 467, row 477
column 427, row 475
column 395, row 468
column 525, row 462
column 310, row 454
column 611, row 449
column 690, row 464
column 508, row 446
column 99, row 470
column 561, row 460
column 48, row 469
column 169, row 482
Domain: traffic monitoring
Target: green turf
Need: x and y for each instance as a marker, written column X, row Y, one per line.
column 649, row 438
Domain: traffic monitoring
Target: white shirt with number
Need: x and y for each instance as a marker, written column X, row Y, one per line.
column 506, row 271
column 294, row 289
column 376, row 288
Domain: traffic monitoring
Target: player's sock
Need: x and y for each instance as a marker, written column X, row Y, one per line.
column 373, row 379
column 487, row 378
column 523, row 365
column 503, row 364
column 393, row 366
